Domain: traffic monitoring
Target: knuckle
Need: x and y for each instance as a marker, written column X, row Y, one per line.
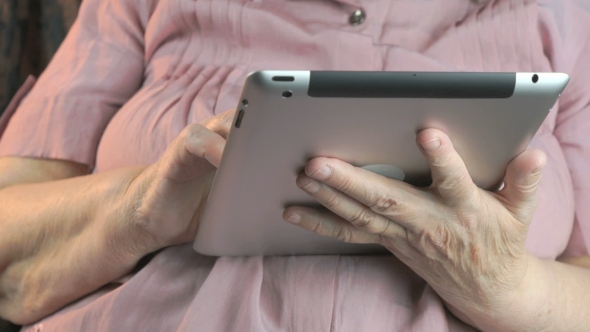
column 528, row 187
column 332, row 201
column 192, row 131
column 440, row 238
column 402, row 234
column 386, row 230
column 317, row 228
column 196, row 141
column 192, row 135
column 440, row 160
column 345, row 183
column 387, row 205
column 363, row 218
column 344, row 234
column 469, row 222
column 451, row 186
column 454, row 179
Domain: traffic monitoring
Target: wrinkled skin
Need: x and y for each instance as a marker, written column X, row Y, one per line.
column 467, row 243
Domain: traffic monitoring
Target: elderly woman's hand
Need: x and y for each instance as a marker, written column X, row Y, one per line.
column 61, row 239
column 166, row 200
column 467, row 243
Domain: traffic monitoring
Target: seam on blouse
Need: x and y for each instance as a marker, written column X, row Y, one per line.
column 85, row 29
column 133, row 21
column 111, row 44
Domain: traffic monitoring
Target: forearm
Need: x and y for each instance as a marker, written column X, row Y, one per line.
column 60, row 240
column 553, row 296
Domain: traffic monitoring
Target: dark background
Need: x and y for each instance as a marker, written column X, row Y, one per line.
column 30, row 33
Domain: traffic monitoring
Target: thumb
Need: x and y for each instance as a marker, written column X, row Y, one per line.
column 221, row 123
column 522, row 179
column 195, row 152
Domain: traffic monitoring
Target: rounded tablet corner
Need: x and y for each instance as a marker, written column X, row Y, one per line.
column 262, row 80
column 559, row 80
column 255, row 77
column 564, row 78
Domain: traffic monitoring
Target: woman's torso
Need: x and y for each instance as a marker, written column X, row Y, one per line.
column 198, row 54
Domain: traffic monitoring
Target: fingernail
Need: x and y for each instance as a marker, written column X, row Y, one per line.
column 294, row 218
column 431, row 145
column 312, row 187
column 322, row 174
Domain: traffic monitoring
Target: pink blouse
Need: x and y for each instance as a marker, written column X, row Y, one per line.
column 132, row 73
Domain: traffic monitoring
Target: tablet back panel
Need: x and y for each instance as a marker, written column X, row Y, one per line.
column 363, row 118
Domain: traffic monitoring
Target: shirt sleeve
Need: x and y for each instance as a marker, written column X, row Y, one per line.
column 570, row 52
column 96, row 70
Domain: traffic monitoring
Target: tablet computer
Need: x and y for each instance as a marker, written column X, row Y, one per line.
column 368, row 119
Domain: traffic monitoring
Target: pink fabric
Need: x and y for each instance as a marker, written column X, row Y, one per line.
column 133, row 73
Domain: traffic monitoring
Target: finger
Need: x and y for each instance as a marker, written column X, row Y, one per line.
column 203, row 143
column 351, row 210
column 221, row 123
column 327, row 224
column 393, row 199
column 450, row 177
column 193, row 153
column 522, row 179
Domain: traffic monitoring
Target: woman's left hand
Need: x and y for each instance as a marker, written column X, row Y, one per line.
column 467, row 243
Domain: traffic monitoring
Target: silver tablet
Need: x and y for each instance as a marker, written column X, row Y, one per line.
column 368, row 119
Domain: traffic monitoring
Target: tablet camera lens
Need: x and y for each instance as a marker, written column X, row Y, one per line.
column 287, row 94
column 535, row 78
column 245, row 102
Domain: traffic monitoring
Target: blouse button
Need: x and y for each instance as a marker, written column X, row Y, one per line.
column 357, row 17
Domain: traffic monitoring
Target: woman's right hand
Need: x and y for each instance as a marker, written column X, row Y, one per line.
column 80, row 233
column 165, row 201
